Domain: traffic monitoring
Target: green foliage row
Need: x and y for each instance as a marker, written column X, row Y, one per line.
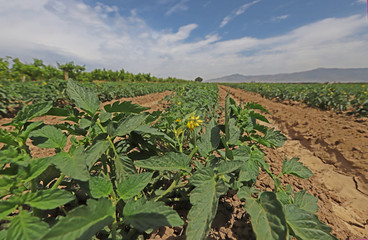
column 351, row 97
column 15, row 70
column 13, row 95
column 124, row 170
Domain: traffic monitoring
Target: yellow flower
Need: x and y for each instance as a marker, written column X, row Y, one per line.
column 178, row 132
column 44, row 83
column 365, row 92
column 178, row 120
column 363, row 85
column 194, row 122
column 179, row 103
column 1, row 85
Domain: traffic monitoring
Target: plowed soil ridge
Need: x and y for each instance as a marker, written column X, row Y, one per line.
column 334, row 147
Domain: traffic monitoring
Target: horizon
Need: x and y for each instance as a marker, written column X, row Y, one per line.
column 280, row 73
column 317, row 75
column 174, row 38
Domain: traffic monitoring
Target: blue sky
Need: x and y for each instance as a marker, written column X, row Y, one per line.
column 188, row 38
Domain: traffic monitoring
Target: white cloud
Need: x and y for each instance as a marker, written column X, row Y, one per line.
column 279, row 18
column 225, row 21
column 237, row 12
column 98, row 36
column 361, row 1
column 180, row 6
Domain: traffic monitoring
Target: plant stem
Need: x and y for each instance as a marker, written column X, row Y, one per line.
column 113, row 230
column 173, row 185
column 193, row 152
column 108, row 138
column 61, row 178
column 179, row 142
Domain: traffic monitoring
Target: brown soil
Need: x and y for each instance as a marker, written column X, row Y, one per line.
column 334, row 147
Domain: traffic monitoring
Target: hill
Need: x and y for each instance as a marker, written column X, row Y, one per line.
column 319, row 75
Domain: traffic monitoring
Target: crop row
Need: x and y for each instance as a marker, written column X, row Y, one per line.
column 351, row 98
column 119, row 172
column 13, row 95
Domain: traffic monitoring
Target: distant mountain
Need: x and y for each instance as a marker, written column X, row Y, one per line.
column 319, row 75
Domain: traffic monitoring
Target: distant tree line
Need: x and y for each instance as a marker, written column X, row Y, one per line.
column 14, row 69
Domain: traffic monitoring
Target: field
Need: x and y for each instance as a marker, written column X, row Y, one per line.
column 351, row 98
column 182, row 161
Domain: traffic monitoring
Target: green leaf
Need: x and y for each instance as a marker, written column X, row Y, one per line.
column 144, row 215
column 83, row 97
column 306, row 201
column 296, row 168
column 100, row 187
column 48, row 137
column 273, row 138
column 24, row 135
column 306, row 225
column 204, row 199
column 266, row 215
column 11, row 155
column 133, row 185
column 258, row 156
column 47, row 199
column 6, row 184
column 124, row 167
column 26, row 227
column 72, row 166
column 242, row 153
column 255, row 106
column 227, row 117
column 85, row 123
column 3, row 234
column 83, row 222
column 210, row 140
column 258, row 116
column 36, row 168
column 7, row 207
column 283, row 197
column 228, row 152
column 202, row 175
column 146, row 129
column 126, row 125
column 169, row 162
column 249, row 171
column 7, row 138
column 94, row 152
column 125, row 107
column 234, row 132
column 31, row 111
column 229, row 166
column 61, row 112
column 105, row 116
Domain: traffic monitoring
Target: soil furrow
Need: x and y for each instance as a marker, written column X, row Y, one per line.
column 334, row 148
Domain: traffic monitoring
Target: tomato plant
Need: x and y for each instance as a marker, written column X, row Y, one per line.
column 124, row 169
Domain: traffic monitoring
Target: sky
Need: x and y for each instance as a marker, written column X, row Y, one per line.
column 188, row 38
